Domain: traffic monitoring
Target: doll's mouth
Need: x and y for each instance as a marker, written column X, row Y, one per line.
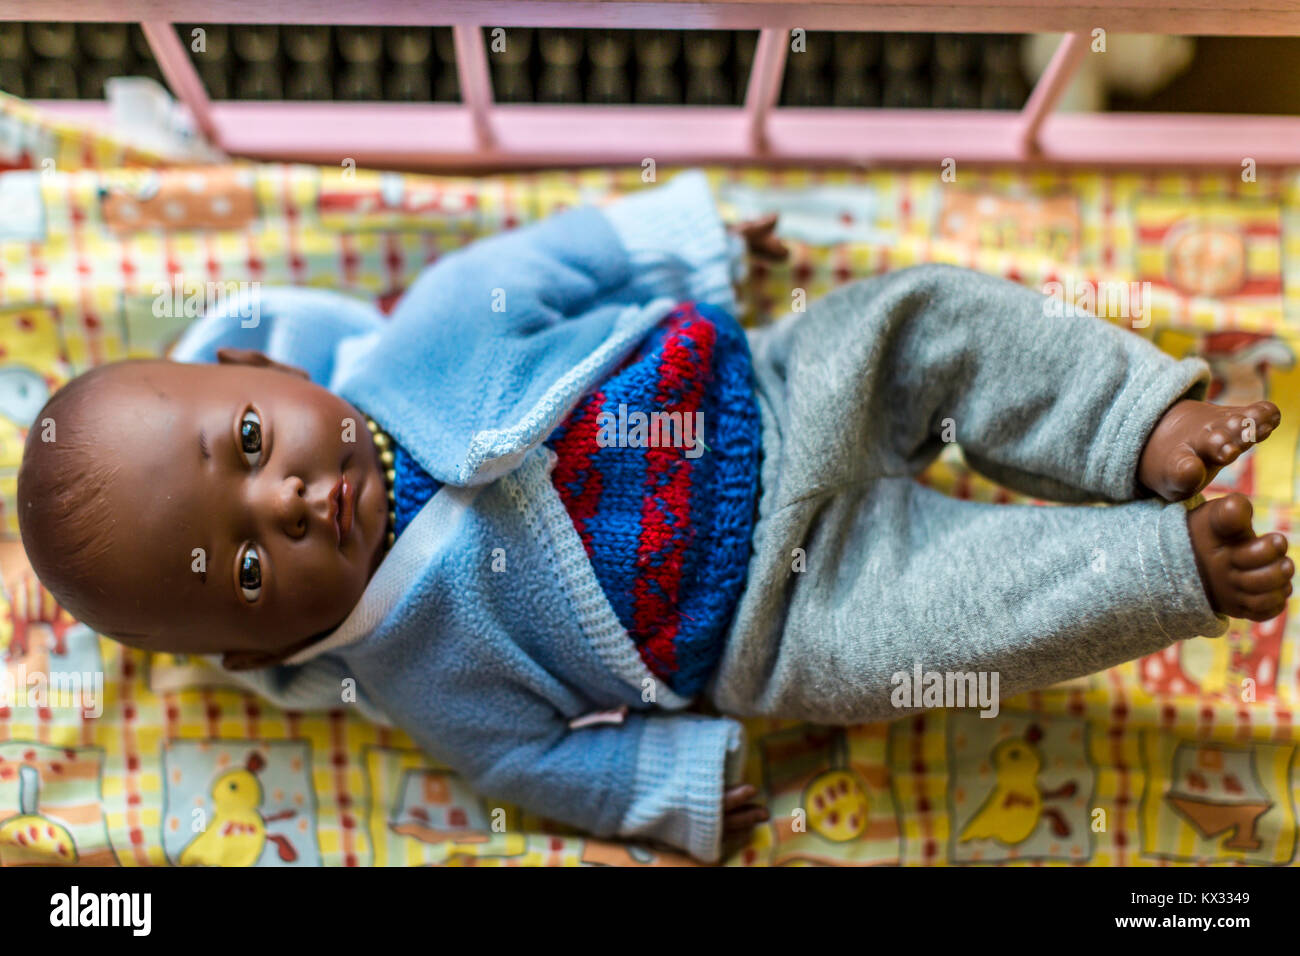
column 342, row 506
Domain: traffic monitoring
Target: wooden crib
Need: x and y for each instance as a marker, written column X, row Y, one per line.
column 478, row 133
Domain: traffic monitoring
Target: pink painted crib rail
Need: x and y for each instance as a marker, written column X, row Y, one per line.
column 477, row 133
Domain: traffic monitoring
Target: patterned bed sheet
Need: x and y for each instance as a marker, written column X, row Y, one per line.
column 1184, row 757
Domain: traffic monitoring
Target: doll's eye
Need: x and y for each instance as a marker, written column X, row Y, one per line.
column 250, row 437
column 250, row 574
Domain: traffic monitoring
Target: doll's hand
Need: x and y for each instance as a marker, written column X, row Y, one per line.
column 739, row 816
column 761, row 239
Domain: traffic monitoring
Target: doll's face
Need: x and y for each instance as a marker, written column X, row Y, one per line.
column 249, row 508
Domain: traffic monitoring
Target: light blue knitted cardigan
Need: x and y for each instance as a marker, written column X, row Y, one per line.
column 484, row 355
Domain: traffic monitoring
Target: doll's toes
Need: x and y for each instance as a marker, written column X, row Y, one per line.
column 1223, row 445
column 1263, row 607
column 1261, row 418
column 1185, row 475
column 1259, row 552
column 1271, row 577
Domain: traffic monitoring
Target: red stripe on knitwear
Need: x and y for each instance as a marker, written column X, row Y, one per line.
column 666, row 509
column 580, row 484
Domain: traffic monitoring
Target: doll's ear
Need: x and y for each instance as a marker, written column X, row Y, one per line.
column 229, row 356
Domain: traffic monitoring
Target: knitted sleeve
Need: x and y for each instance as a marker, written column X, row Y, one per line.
column 651, row 778
column 665, row 242
column 679, row 764
column 683, row 765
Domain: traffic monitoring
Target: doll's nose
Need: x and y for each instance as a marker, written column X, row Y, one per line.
column 289, row 508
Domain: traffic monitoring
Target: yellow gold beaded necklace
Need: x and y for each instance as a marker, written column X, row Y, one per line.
column 384, row 445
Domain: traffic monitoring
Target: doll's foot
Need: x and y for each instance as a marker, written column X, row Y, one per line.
column 1245, row 575
column 1195, row 439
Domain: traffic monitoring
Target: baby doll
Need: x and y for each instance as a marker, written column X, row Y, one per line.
column 459, row 517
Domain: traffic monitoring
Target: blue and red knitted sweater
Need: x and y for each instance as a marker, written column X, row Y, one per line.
column 658, row 469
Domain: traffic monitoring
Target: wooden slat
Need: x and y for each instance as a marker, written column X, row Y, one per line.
column 434, row 136
column 1215, row 17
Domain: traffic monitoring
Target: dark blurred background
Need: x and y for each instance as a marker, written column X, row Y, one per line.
column 915, row 70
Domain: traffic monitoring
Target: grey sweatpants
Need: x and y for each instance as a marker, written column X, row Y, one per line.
column 858, row 572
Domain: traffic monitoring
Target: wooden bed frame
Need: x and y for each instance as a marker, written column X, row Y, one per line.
column 479, row 134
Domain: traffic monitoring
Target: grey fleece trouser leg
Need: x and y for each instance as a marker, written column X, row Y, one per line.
column 856, row 396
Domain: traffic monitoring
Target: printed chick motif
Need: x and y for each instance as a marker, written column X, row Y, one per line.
column 1012, row 811
column 32, row 837
column 237, row 834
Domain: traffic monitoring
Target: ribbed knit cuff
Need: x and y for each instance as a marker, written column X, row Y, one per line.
column 1150, row 390
column 676, row 241
column 681, row 773
column 1175, row 591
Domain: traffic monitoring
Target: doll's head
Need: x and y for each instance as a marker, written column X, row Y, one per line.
column 233, row 508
